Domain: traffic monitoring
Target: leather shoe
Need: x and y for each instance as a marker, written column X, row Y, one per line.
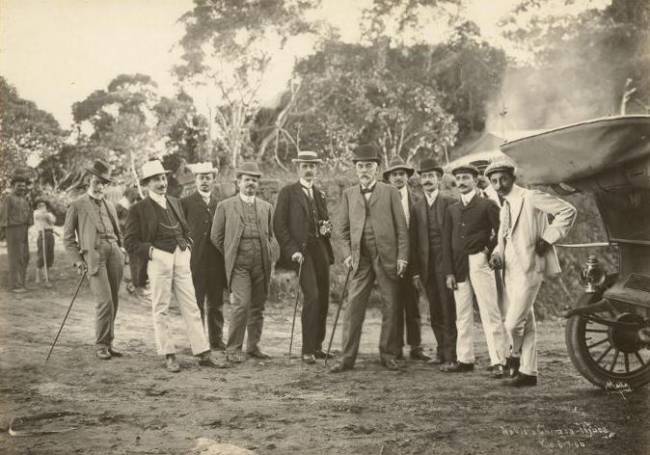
column 446, row 365
column 235, row 357
column 171, row 364
column 257, row 354
column 435, row 361
column 390, row 364
column 103, row 353
column 418, row 354
column 206, row 359
column 339, row 368
column 497, row 372
column 322, row 355
column 512, row 365
column 522, row 380
column 309, row 359
column 115, row 353
column 459, row 367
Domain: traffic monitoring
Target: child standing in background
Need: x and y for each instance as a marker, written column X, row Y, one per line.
column 44, row 223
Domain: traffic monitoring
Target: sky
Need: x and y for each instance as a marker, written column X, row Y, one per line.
column 57, row 52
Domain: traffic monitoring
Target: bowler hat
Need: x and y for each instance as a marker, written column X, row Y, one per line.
column 203, row 168
column 152, row 168
column 500, row 166
column 395, row 164
column 465, row 169
column 429, row 164
column 306, row 156
column 248, row 168
column 100, row 169
column 366, row 152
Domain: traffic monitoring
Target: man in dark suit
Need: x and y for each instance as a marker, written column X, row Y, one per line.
column 470, row 235
column 397, row 175
column 302, row 228
column 428, row 263
column 92, row 237
column 208, row 272
column 156, row 230
column 376, row 246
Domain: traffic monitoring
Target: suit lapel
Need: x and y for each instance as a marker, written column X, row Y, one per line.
column 374, row 196
column 515, row 209
column 92, row 210
column 440, row 208
column 302, row 197
column 358, row 201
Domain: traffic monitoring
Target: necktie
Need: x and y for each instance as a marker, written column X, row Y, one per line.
column 308, row 192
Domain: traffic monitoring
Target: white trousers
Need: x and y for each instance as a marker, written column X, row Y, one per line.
column 480, row 282
column 519, row 294
column 170, row 272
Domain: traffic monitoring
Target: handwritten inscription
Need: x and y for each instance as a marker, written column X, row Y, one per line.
column 571, row 436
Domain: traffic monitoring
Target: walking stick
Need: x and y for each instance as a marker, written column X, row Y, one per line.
column 47, row 279
column 66, row 315
column 338, row 312
column 295, row 308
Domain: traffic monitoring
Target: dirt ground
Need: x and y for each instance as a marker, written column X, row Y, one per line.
column 133, row 406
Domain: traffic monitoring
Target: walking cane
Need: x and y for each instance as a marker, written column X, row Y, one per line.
column 46, row 277
column 338, row 312
column 66, row 315
column 295, row 308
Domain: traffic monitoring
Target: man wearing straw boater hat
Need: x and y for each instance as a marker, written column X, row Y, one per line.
column 157, row 231
column 242, row 232
column 15, row 219
column 302, row 228
column 376, row 246
column 92, row 237
column 207, row 264
column 398, row 174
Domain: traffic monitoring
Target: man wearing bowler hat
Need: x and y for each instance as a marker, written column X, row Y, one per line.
column 428, row 264
column 92, row 237
column 376, row 246
column 302, row 228
column 398, row 174
column 242, row 231
column 156, row 230
column 470, row 235
column 208, row 273
column 15, row 218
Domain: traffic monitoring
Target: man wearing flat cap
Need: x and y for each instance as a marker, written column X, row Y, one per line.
column 428, row 264
column 92, row 237
column 208, row 273
column 526, row 254
column 470, row 236
column 376, row 247
column 15, row 219
column 157, row 231
column 398, row 174
column 242, row 232
column 302, row 228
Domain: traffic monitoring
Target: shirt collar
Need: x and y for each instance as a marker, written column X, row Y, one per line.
column 160, row 199
column 124, row 202
column 467, row 198
column 404, row 191
column 247, row 199
column 93, row 197
column 370, row 186
column 306, row 184
column 204, row 195
column 431, row 198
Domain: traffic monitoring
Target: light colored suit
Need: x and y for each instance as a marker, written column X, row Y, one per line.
column 523, row 221
column 103, row 258
column 375, row 261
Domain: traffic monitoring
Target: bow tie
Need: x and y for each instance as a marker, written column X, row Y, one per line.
column 367, row 190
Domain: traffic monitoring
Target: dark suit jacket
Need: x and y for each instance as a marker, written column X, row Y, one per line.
column 199, row 216
column 469, row 229
column 420, row 261
column 142, row 226
column 292, row 218
column 388, row 222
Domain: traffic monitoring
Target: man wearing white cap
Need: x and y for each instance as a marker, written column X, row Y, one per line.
column 302, row 227
column 525, row 252
column 207, row 265
column 157, row 231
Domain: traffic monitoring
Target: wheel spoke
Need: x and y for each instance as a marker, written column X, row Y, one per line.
column 636, row 353
column 627, row 362
column 597, row 330
column 611, row 367
column 605, row 352
column 597, row 343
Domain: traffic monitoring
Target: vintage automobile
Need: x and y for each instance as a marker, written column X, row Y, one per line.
column 608, row 329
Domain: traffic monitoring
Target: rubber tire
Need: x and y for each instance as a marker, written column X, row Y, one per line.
column 585, row 364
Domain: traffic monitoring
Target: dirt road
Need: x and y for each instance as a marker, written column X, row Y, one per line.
column 133, row 406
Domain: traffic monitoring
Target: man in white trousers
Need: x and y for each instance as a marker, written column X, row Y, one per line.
column 470, row 236
column 526, row 254
column 156, row 230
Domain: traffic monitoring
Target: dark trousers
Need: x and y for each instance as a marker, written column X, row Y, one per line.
column 208, row 286
column 105, row 285
column 409, row 313
column 315, row 285
column 443, row 316
column 18, row 254
column 45, row 249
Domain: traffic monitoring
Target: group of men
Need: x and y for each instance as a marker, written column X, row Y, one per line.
column 452, row 251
